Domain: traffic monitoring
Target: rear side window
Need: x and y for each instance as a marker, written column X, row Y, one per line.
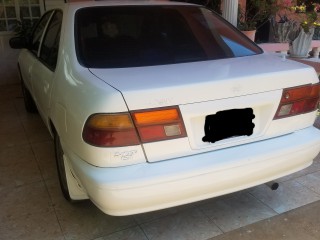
column 116, row 37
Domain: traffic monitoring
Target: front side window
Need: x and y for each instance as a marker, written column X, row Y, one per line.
column 50, row 45
column 115, row 37
column 38, row 32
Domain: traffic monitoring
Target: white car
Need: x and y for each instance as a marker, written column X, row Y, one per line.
column 154, row 104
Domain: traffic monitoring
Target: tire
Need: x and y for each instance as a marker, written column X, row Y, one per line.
column 61, row 168
column 29, row 103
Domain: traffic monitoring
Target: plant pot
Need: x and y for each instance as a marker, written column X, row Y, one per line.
column 316, row 35
column 300, row 47
column 251, row 34
column 282, row 31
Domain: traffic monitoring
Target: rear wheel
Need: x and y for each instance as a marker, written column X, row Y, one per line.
column 60, row 160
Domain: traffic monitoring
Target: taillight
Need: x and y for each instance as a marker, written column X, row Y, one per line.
column 110, row 130
column 118, row 130
column 298, row 100
column 159, row 124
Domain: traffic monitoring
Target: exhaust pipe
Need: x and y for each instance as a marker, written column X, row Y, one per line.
column 273, row 185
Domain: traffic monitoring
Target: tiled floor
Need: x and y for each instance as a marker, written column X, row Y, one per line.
column 32, row 206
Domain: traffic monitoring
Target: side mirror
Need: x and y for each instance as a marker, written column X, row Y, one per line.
column 18, row 42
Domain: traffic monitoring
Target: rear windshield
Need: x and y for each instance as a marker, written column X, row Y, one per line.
column 133, row 36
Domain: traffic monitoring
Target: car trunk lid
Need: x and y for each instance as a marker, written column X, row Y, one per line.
column 177, row 84
column 203, row 89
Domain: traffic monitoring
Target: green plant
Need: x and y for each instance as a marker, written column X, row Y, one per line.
column 309, row 21
column 308, row 5
column 256, row 11
column 282, row 10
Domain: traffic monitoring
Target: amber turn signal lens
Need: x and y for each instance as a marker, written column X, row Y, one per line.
column 158, row 116
column 159, row 124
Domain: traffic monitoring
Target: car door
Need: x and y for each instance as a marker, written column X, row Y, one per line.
column 28, row 57
column 44, row 67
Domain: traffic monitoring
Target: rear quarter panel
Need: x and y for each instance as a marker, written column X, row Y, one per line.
column 76, row 95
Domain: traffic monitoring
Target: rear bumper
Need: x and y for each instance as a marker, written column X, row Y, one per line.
column 152, row 186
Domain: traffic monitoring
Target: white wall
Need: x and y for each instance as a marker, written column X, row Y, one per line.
column 8, row 61
column 50, row 4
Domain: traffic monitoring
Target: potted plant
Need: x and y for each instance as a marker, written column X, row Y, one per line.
column 255, row 11
column 316, row 35
column 300, row 40
column 282, row 22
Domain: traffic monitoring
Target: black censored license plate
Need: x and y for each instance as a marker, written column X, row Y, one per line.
column 227, row 124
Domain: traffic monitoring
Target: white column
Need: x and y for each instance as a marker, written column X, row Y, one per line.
column 230, row 11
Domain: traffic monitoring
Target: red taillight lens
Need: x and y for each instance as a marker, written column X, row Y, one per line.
column 110, row 130
column 298, row 100
column 118, row 130
column 159, row 124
